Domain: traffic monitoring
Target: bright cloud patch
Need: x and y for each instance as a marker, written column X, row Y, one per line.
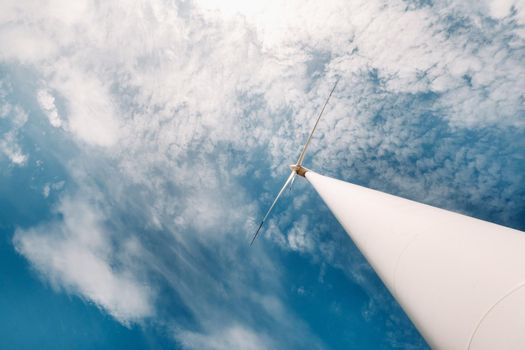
column 13, row 119
column 47, row 103
column 12, row 150
column 75, row 254
column 235, row 337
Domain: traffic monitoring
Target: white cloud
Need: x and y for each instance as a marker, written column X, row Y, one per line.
column 47, row 103
column 93, row 116
column 24, row 45
column 55, row 186
column 296, row 238
column 234, row 337
column 76, row 254
column 500, row 9
column 46, row 190
column 15, row 117
column 12, row 150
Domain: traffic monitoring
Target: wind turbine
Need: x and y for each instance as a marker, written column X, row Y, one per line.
column 297, row 168
column 460, row 280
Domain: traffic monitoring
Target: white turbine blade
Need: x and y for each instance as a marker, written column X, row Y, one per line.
column 292, row 175
column 293, row 179
column 303, row 152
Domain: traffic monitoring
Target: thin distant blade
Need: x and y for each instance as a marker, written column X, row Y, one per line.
column 293, row 179
column 292, row 175
column 303, row 152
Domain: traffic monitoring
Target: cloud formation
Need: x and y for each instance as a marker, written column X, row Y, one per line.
column 76, row 254
column 184, row 113
column 47, row 103
column 12, row 118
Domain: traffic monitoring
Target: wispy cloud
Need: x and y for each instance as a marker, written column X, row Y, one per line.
column 47, row 103
column 76, row 254
column 236, row 337
column 13, row 118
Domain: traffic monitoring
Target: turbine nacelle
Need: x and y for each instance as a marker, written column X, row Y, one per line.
column 298, row 169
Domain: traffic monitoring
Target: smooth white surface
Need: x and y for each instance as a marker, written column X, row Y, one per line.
column 458, row 278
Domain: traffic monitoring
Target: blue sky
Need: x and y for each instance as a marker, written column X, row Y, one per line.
column 142, row 141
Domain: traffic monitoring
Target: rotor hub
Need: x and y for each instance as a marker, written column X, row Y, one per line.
column 299, row 169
